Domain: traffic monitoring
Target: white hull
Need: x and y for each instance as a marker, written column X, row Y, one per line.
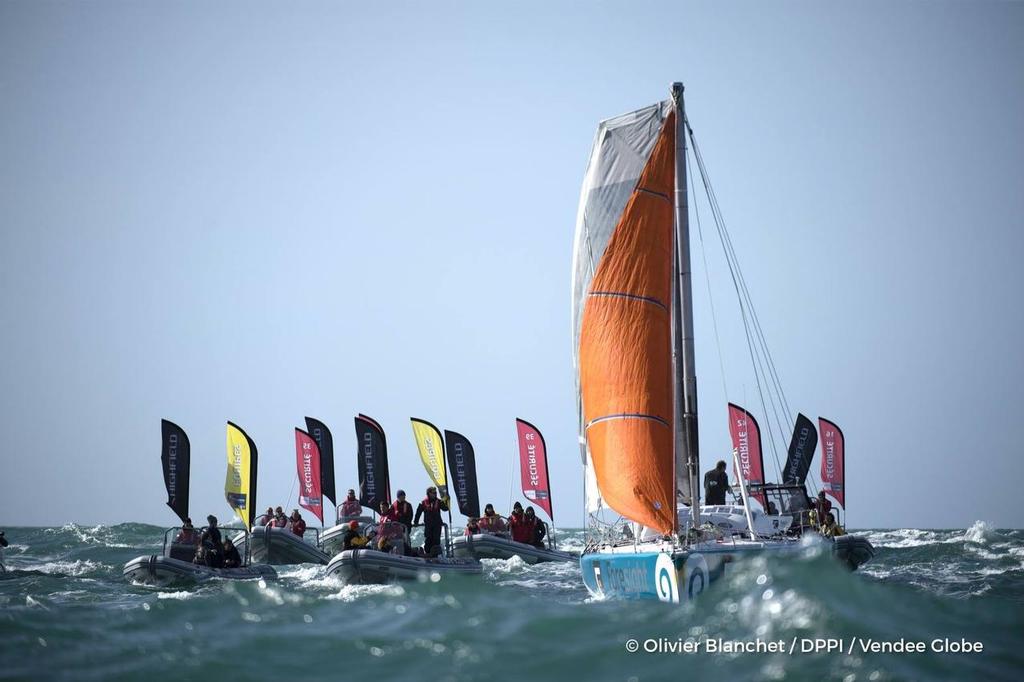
column 160, row 570
column 487, row 546
column 363, row 566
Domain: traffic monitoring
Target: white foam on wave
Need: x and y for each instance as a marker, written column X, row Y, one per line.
column 74, row 568
column 351, row 593
column 980, row 532
column 180, row 595
column 97, row 535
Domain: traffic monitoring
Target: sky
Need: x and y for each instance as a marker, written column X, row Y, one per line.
column 260, row 211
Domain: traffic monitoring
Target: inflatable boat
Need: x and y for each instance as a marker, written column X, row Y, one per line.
column 159, row 570
column 369, row 566
column 174, row 565
column 490, row 546
column 280, row 546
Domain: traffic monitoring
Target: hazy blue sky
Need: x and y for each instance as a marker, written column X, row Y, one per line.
column 259, row 211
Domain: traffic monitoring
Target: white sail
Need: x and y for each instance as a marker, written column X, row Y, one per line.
column 621, row 148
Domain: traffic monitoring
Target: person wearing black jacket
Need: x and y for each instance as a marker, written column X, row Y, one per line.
column 430, row 509
column 231, row 557
column 212, row 543
column 716, row 482
column 540, row 531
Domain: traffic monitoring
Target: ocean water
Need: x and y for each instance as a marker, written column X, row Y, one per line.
column 66, row 613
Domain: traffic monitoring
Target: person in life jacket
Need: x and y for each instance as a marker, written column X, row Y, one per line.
column 490, row 522
column 829, row 528
column 539, row 530
column 280, row 520
column 231, row 557
column 403, row 511
column 212, row 544
column 352, row 538
column 521, row 527
column 188, row 535
column 297, row 523
column 350, row 507
column 390, row 529
column 267, row 518
column 472, row 527
column 716, row 482
column 430, row 509
column 822, row 506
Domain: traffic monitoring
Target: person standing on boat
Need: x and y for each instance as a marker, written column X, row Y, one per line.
column 187, row 535
column 403, row 511
column 212, row 544
column 430, row 509
column 351, row 507
column 822, row 507
column 267, row 518
column 522, row 528
column 540, row 531
column 297, row 523
column 716, row 482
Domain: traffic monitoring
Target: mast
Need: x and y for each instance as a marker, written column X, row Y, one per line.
column 682, row 323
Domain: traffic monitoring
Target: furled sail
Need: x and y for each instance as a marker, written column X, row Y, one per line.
column 372, row 461
column 746, row 439
column 621, row 149
column 325, row 442
column 240, row 483
column 462, row 468
column 833, row 460
column 175, row 458
column 307, row 464
column 533, row 466
column 625, row 351
column 431, row 448
column 801, row 451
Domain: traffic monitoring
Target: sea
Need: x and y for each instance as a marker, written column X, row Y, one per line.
column 933, row 604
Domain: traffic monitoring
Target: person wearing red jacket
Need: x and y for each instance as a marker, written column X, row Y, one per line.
column 298, row 524
column 402, row 511
column 522, row 528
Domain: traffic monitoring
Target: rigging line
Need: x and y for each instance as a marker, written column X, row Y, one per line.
column 761, row 347
column 762, row 341
column 774, row 377
column 707, row 279
column 733, row 264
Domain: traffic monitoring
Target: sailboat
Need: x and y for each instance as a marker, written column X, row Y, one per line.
column 281, row 546
column 633, row 351
column 174, row 563
column 371, row 566
column 533, row 469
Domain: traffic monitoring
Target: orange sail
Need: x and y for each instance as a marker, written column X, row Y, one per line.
column 625, row 351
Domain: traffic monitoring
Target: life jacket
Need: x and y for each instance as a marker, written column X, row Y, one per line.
column 402, row 511
column 281, row 522
column 522, row 528
column 492, row 524
column 299, row 527
column 351, row 508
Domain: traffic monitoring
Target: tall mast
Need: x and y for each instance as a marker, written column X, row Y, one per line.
column 682, row 325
